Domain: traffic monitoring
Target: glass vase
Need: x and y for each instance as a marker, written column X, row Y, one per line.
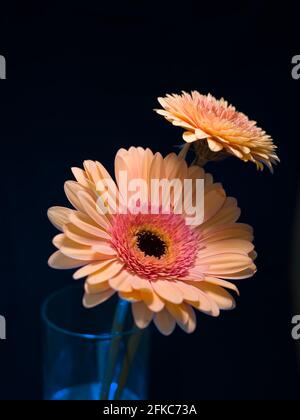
column 77, row 349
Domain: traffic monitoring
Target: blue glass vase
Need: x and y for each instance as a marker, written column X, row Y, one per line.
column 77, row 348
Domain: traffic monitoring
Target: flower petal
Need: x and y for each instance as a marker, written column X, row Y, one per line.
column 132, row 297
column 225, row 264
column 121, row 282
column 178, row 312
column 213, row 201
column 228, row 214
column 90, row 269
column 74, row 250
column 60, row 261
column 96, row 288
column 222, row 283
column 229, row 231
column 85, row 223
column 189, row 136
column 190, row 325
column 90, row 207
column 59, row 216
column 77, row 235
column 214, row 145
column 81, row 177
column 167, row 290
column 104, row 248
column 148, row 295
column 108, row 270
column 223, row 299
column 72, row 189
column 141, row 314
column 237, row 246
column 205, row 303
column 90, row 301
column 188, row 291
column 164, row 322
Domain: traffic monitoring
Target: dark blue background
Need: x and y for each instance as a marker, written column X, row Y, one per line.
column 82, row 81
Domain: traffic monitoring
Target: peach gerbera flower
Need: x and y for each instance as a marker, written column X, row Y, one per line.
column 162, row 265
column 218, row 128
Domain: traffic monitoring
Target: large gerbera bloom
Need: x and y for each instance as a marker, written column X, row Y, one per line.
column 218, row 128
column 162, row 265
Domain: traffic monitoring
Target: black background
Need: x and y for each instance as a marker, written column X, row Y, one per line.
column 82, row 80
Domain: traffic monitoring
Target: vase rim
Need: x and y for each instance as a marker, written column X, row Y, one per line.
column 105, row 336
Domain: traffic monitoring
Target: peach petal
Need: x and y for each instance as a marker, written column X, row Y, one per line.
column 59, row 216
column 152, row 300
column 195, row 172
column 253, row 255
column 208, row 180
column 90, row 301
column 167, row 290
column 91, row 169
column 157, row 169
column 104, row 248
column 130, row 161
column 96, row 288
column 60, row 261
column 194, row 273
column 178, row 312
column 90, row 207
column 90, row 269
column 214, row 145
column 77, row 235
column 200, row 134
column 175, row 168
column 108, row 270
column 58, row 240
column 235, row 152
column 188, row 291
column 141, row 284
column 189, row 136
column 104, row 174
column 225, row 264
column 222, row 283
column 148, row 157
column 133, row 296
column 72, row 189
column 228, row 214
column 223, row 299
column 164, row 322
column 121, row 282
column 73, row 249
column 205, row 304
column 240, row 275
column 231, row 231
column 81, row 177
column 148, row 295
column 141, row 314
column 213, row 202
column 86, row 224
column 190, row 325
column 237, row 246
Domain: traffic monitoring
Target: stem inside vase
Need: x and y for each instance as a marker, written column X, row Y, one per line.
column 117, row 328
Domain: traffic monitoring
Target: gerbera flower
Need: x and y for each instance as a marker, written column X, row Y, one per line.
column 164, row 266
column 218, row 128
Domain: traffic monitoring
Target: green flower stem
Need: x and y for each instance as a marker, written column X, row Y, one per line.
column 184, row 150
column 117, row 328
column 132, row 347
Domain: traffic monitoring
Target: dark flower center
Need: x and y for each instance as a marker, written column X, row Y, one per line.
column 151, row 244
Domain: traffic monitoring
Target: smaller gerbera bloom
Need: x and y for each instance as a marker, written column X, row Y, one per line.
column 165, row 267
column 218, row 128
